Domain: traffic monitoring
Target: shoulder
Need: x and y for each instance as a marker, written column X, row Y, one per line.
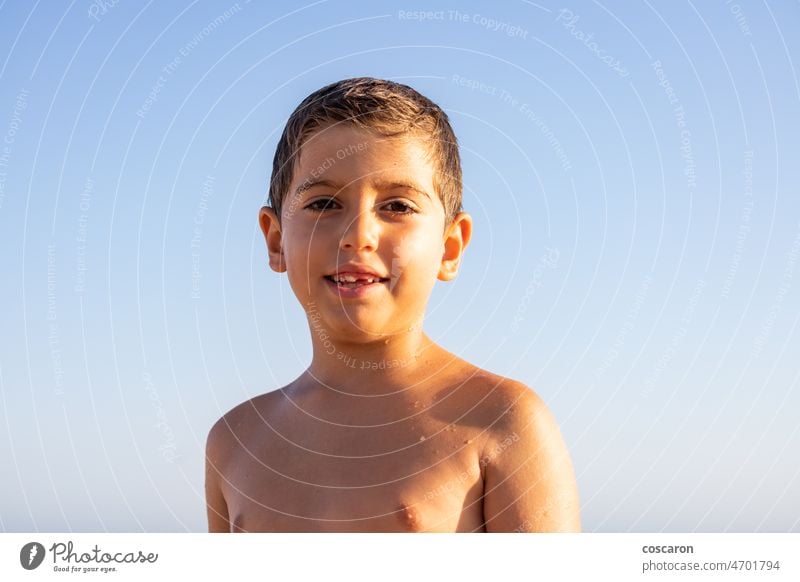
column 226, row 439
column 508, row 404
column 529, row 479
column 512, row 413
column 235, row 426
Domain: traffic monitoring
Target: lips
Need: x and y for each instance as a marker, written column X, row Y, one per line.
column 355, row 280
column 354, row 284
column 351, row 277
column 348, row 273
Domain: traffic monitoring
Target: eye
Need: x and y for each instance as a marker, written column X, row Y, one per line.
column 398, row 207
column 321, row 204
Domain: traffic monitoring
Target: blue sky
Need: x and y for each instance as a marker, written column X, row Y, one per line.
column 631, row 169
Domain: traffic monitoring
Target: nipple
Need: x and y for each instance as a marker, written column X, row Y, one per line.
column 410, row 518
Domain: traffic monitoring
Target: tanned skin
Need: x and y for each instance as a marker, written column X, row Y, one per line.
column 385, row 431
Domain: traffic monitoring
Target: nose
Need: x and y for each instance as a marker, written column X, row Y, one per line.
column 361, row 232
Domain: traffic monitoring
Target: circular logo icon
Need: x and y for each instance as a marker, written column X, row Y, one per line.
column 31, row 555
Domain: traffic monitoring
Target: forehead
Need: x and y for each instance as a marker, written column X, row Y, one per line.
column 345, row 152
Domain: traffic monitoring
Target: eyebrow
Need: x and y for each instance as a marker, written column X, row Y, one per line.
column 308, row 184
column 388, row 185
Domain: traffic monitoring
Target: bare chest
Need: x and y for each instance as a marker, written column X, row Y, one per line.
column 424, row 477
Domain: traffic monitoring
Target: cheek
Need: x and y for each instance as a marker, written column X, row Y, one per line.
column 418, row 256
column 299, row 257
column 301, row 241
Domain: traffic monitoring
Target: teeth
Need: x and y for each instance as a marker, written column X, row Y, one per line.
column 354, row 279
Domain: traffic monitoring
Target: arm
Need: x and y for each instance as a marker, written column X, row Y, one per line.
column 216, row 507
column 529, row 483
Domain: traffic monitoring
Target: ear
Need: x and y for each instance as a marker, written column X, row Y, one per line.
column 456, row 239
column 271, row 228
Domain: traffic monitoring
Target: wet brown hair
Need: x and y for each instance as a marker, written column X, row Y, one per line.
column 385, row 107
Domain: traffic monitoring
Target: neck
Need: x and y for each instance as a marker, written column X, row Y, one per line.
column 382, row 367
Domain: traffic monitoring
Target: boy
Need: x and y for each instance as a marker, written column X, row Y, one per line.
column 385, row 430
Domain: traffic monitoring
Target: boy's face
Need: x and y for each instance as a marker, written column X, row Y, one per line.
column 360, row 201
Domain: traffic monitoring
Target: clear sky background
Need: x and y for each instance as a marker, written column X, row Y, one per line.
column 632, row 169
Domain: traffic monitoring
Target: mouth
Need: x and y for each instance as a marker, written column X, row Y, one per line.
column 359, row 281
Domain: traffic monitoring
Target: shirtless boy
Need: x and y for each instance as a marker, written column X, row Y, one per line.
column 385, row 431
